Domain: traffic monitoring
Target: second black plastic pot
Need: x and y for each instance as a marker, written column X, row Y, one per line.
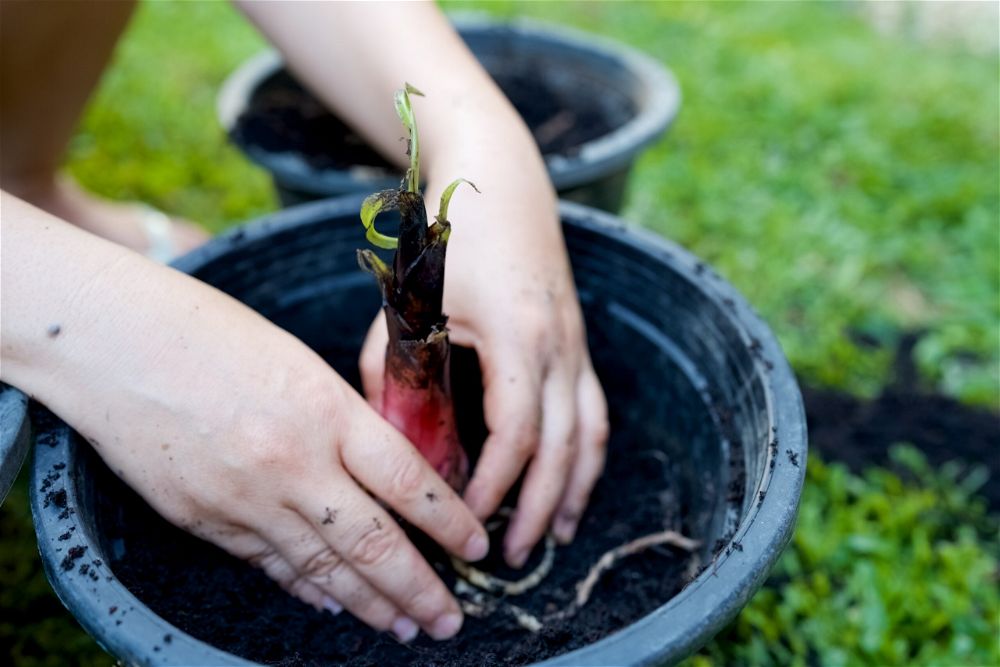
column 554, row 76
column 688, row 368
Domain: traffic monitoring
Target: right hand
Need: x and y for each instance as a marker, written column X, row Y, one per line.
column 237, row 432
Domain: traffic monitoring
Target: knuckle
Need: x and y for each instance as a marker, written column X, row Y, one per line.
column 523, row 443
column 524, row 434
column 424, row 603
column 375, row 545
column 408, row 477
column 564, row 450
column 185, row 512
column 266, row 445
column 264, row 560
column 599, row 430
column 299, row 588
column 558, row 452
column 241, row 543
column 321, row 565
column 536, row 334
column 327, row 403
column 274, row 567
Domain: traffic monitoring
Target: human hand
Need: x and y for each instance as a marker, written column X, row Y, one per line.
column 508, row 288
column 509, row 294
column 234, row 430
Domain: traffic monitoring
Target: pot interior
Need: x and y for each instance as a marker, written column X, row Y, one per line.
column 684, row 393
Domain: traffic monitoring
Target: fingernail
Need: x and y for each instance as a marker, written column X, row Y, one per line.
column 477, row 547
column 332, row 605
column 517, row 559
column 446, row 627
column 405, row 629
column 564, row 529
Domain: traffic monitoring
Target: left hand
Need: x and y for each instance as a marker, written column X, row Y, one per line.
column 509, row 294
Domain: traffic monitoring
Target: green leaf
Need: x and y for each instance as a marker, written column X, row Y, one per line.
column 370, row 262
column 405, row 112
column 387, row 200
column 442, row 215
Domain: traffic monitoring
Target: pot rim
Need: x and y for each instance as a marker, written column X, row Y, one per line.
column 669, row 633
column 658, row 101
column 14, row 435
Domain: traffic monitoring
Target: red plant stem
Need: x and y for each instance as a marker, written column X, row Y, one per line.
column 417, row 401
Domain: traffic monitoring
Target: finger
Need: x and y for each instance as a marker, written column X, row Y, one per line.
column 383, row 460
column 511, row 403
column 548, row 471
column 372, row 361
column 248, row 545
column 592, row 439
column 285, row 575
column 362, row 535
column 310, row 569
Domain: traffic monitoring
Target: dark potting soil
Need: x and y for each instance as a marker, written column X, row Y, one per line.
column 860, row 432
column 284, row 117
column 227, row 603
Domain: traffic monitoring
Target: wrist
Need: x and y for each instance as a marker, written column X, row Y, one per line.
column 476, row 128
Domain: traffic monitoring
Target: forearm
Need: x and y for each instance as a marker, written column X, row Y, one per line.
column 77, row 308
column 55, row 287
column 355, row 55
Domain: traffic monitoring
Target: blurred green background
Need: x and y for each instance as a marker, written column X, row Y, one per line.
column 845, row 179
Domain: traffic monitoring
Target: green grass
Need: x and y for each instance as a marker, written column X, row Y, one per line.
column 35, row 629
column 150, row 132
column 895, row 567
column 845, row 182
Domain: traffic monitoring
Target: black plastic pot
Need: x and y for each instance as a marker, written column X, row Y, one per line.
column 687, row 365
column 627, row 98
column 14, row 438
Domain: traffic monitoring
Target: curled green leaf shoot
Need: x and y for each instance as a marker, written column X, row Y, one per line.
column 371, row 263
column 388, row 200
column 442, row 215
column 405, row 112
column 370, row 208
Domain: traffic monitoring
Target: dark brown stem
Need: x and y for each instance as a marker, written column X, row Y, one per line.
column 417, row 398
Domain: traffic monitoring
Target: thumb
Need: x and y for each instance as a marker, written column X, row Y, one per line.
column 372, row 361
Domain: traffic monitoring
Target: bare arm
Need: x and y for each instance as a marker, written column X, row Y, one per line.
column 354, row 55
column 227, row 425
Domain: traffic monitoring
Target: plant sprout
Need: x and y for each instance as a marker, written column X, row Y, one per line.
column 417, row 395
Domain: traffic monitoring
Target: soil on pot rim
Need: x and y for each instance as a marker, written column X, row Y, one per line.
column 284, row 117
column 229, row 604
